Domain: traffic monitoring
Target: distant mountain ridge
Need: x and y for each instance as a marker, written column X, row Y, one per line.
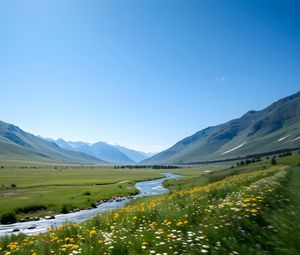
column 16, row 144
column 98, row 150
column 113, row 153
column 275, row 127
column 20, row 145
column 137, row 156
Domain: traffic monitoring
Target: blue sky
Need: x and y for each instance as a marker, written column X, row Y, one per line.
column 143, row 73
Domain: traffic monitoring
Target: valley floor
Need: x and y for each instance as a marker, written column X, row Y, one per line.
column 248, row 210
column 37, row 191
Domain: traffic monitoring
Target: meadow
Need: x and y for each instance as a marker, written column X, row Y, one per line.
column 46, row 190
column 252, row 211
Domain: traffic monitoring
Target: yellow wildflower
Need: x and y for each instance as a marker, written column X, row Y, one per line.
column 75, row 246
column 93, row 232
column 179, row 223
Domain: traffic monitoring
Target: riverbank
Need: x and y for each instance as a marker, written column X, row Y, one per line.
column 31, row 193
column 145, row 188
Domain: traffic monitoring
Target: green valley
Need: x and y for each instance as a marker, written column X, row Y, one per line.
column 222, row 211
column 46, row 190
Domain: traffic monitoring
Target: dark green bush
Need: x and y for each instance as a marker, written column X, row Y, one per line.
column 30, row 208
column 273, row 161
column 93, row 205
column 8, row 218
column 66, row 208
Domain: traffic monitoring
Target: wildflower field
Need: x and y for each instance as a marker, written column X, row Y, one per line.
column 230, row 216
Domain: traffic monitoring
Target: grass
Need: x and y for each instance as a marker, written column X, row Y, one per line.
column 200, row 176
column 202, row 219
column 252, row 209
column 50, row 188
column 60, row 175
column 285, row 223
column 290, row 160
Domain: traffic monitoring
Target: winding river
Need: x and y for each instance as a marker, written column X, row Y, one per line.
column 146, row 188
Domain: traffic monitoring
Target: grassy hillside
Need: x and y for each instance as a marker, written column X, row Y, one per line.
column 290, row 160
column 274, row 128
column 15, row 144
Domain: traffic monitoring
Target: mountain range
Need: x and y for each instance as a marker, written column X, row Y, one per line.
column 112, row 153
column 274, row 128
column 16, row 144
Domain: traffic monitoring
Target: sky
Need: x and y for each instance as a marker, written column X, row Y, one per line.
column 143, row 73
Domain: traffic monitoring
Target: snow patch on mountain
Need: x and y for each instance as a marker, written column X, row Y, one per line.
column 297, row 138
column 283, row 138
column 235, row 148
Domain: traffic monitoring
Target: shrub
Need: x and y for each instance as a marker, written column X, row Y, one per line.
column 273, row 161
column 30, row 208
column 66, row 208
column 93, row 205
column 87, row 193
column 13, row 185
column 8, row 218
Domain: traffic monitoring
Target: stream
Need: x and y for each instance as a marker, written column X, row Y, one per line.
column 146, row 188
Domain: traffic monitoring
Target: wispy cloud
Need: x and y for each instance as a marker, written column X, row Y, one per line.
column 220, row 79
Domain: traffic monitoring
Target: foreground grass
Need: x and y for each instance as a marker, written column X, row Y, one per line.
column 51, row 188
column 285, row 222
column 223, row 217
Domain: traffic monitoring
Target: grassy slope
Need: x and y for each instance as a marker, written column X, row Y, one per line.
column 43, row 152
column 200, row 151
column 201, row 176
column 260, row 129
column 17, row 144
column 290, row 160
column 286, row 221
column 282, row 236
